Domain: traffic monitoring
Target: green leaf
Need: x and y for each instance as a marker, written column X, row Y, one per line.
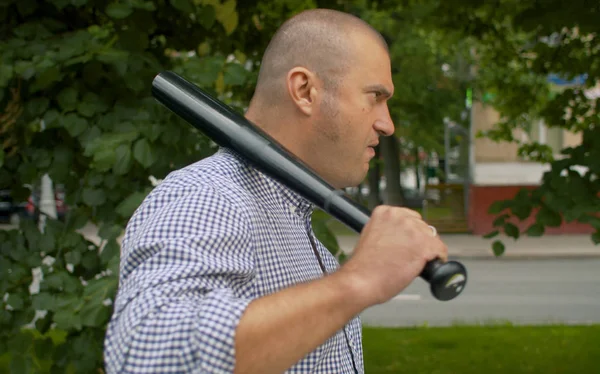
column 25, row 69
column 227, row 16
column 50, row 117
column 37, row 106
column 235, row 75
column 6, row 73
column 146, row 5
column 130, row 204
column 43, row 301
column 498, row 206
column 73, row 258
column 205, row 71
column 109, row 142
column 522, row 210
column 90, row 105
column 183, row 6
column 207, row 16
column 46, row 78
column 43, row 325
column 41, row 158
column 119, row 10
column 153, row 131
column 498, row 248
column 535, row 230
column 499, row 221
column 91, row 261
column 34, row 260
column 548, row 217
column 16, row 301
column 110, row 250
column 143, row 153
column 94, row 196
column 67, row 301
column 511, row 230
column 31, row 233
column 123, row 159
column 76, row 219
column 109, row 231
column 100, row 289
column 596, row 237
column 74, row 124
column 491, row 234
column 26, row 7
column 43, row 348
column 67, row 320
column 18, row 273
column 19, row 363
column 95, row 179
column 53, row 281
column 133, row 40
column 67, row 99
column 94, row 314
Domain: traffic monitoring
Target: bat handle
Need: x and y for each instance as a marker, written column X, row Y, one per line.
column 446, row 279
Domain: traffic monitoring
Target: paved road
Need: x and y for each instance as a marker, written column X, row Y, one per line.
column 499, row 290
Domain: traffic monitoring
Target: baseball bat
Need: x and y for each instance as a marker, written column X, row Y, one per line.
column 230, row 129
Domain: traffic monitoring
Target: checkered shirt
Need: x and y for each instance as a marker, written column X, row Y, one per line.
column 208, row 240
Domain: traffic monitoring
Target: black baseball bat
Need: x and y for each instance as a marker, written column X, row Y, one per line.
column 230, row 129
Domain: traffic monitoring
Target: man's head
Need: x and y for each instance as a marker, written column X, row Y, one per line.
column 322, row 90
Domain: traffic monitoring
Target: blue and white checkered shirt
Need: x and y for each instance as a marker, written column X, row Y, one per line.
column 208, row 240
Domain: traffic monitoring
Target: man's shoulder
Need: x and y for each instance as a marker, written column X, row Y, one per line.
column 210, row 189
column 220, row 172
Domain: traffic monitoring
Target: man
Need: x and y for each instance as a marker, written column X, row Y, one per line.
column 220, row 270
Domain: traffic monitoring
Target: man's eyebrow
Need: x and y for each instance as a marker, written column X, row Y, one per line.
column 379, row 88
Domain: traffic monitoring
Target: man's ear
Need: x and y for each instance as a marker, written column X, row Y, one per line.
column 302, row 88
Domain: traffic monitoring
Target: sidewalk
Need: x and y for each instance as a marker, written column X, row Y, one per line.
column 476, row 247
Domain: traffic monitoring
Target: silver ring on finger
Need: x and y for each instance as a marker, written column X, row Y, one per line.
column 433, row 230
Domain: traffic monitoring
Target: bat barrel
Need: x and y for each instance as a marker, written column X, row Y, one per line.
column 232, row 130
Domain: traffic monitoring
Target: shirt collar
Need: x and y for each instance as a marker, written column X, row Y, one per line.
column 300, row 205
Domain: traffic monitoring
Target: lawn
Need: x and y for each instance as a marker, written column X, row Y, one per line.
column 475, row 350
column 483, row 349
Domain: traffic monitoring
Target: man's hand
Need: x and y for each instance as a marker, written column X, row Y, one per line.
column 393, row 249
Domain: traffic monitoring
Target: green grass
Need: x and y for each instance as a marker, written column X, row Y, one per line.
column 436, row 212
column 483, row 349
column 475, row 349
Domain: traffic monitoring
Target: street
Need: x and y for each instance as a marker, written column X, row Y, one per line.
column 535, row 289
column 503, row 290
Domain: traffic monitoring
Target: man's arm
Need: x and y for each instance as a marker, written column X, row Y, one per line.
column 277, row 330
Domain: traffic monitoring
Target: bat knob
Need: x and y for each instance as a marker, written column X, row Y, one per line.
column 447, row 280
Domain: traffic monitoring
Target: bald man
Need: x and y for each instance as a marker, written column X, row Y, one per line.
column 220, row 269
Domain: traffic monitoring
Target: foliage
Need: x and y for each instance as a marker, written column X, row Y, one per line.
column 429, row 85
column 75, row 80
column 518, row 46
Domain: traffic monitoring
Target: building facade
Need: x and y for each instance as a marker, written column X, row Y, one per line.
column 498, row 173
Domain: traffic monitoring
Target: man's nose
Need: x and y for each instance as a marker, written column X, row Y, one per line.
column 384, row 124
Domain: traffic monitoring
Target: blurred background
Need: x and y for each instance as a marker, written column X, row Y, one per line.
column 497, row 144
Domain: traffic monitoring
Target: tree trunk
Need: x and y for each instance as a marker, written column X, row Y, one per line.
column 417, row 167
column 373, row 179
column 390, row 149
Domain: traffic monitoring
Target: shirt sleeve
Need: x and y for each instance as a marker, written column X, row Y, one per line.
column 185, row 281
